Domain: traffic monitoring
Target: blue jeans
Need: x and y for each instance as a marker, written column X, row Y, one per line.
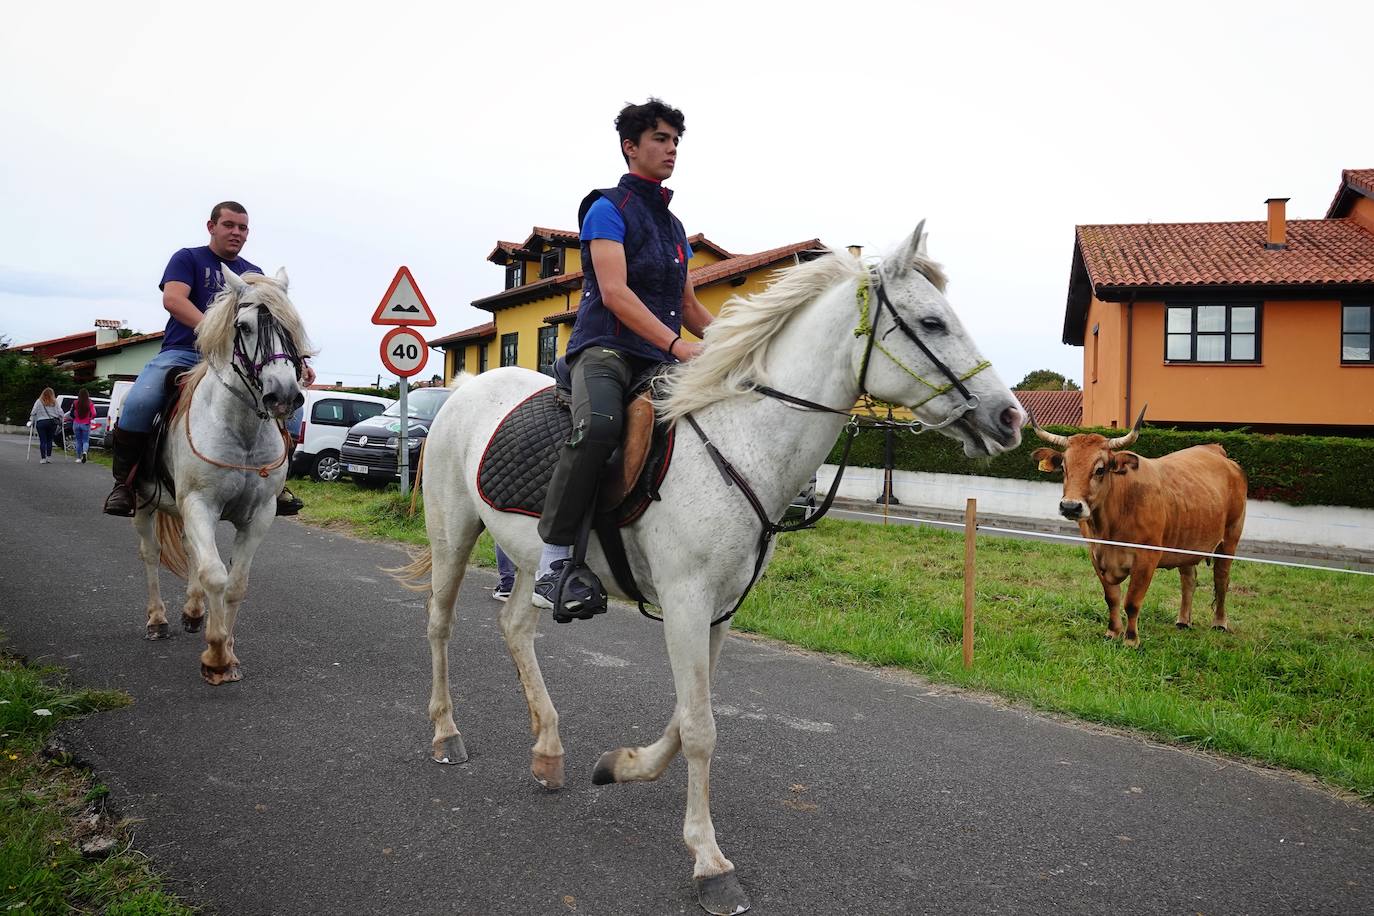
column 147, row 395
column 506, row 568
column 82, row 432
column 46, row 430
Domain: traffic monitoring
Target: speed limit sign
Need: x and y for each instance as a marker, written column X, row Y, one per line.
column 404, row 351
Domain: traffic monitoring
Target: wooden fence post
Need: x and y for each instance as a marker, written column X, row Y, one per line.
column 970, row 527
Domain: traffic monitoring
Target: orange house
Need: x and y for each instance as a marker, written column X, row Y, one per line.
column 1265, row 324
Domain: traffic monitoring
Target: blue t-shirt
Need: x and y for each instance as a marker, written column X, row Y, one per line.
column 199, row 269
column 603, row 221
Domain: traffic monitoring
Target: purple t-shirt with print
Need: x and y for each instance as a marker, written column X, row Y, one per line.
column 199, row 269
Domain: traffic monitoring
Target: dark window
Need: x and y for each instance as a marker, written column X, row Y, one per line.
column 1356, row 324
column 548, row 349
column 460, row 359
column 1212, row 333
column 509, row 346
column 365, row 410
column 329, row 412
column 515, row 274
column 481, row 357
column 551, row 263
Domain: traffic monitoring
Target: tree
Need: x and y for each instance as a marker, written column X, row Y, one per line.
column 1046, row 380
column 22, row 378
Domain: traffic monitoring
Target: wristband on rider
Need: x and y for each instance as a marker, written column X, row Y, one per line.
column 673, row 344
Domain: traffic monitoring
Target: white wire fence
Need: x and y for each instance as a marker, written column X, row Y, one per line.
column 1046, row 535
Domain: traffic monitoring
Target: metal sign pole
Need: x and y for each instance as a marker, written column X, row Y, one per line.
column 404, row 461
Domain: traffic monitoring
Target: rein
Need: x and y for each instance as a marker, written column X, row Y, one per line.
column 733, row 477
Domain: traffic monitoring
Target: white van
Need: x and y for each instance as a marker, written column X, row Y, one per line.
column 326, row 417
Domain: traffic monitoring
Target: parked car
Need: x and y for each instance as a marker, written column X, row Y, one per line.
column 371, row 451
column 325, row 420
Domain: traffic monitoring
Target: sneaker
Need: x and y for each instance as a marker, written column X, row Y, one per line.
column 43, row 461
column 501, row 592
column 546, row 589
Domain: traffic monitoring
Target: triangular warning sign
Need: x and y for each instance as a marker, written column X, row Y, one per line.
column 404, row 303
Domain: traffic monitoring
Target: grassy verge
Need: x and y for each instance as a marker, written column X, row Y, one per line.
column 1293, row 685
column 49, row 808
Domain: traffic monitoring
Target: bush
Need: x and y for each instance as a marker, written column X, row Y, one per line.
column 1299, row 470
column 22, row 380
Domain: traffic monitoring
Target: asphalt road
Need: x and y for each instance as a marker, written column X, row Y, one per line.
column 306, row 788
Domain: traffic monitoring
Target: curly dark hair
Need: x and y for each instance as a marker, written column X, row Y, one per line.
column 634, row 120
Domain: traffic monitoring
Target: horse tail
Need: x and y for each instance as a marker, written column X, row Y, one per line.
column 415, row 574
column 171, row 546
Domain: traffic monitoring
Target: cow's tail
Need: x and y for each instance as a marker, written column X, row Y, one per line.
column 415, row 575
column 171, row 544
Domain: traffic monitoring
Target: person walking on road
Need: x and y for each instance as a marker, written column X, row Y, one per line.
column 505, row 568
column 83, row 415
column 191, row 281
column 46, row 418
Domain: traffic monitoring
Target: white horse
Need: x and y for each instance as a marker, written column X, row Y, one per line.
column 225, row 453
column 822, row 333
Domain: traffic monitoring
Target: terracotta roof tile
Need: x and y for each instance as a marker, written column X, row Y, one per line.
column 1360, row 178
column 1053, row 408
column 470, row 335
column 1320, row 251
column 743, row 263
column 1355, row 183
column 561, row 317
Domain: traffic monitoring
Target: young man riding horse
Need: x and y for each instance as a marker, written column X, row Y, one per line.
column 191, row 280
column 636, row 298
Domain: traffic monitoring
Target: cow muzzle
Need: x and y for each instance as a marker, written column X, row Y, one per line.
column 1073, row 509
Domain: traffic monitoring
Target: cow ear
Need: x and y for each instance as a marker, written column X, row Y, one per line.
column 1048, row 460
column 1124, row 461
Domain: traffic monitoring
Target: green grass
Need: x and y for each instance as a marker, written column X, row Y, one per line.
column 43, row 801
column 1293, row 685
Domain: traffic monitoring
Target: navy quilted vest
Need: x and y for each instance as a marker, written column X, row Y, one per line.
column 655, row 265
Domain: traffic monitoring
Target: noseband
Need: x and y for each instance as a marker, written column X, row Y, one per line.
column 248, row 367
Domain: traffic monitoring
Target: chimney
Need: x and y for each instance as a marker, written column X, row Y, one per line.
column 856, row 250
column 107, row 330
column 1278, row 224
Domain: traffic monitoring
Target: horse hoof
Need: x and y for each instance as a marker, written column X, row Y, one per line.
column 1183, row 625
column 192, row 624
column 547, row 769
column 721, row 894
column 1132, row 642
column 225, row 674
column 157, row 631
column 1222, row 627
column 450, row 750
column 1111, row 634
column 604, row 772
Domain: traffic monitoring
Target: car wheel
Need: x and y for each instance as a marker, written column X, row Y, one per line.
column 327, row 467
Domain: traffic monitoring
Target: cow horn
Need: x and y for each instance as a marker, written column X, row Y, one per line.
column 1123, row 441
column 1051, row 438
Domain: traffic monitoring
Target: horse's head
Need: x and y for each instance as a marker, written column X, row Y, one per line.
column 253, row 328
column 922, row 357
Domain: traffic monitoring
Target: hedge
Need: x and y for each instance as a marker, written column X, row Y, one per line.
column 1299, row 470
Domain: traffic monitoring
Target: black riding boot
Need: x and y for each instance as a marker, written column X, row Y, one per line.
column 289, row 503
column 128, row 448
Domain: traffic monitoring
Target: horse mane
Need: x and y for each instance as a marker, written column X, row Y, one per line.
column 736, row 343
column 215, row 333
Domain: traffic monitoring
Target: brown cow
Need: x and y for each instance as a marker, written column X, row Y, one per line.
column 1192, row 499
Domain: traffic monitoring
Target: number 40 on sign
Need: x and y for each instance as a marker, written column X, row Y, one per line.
column 404, row 351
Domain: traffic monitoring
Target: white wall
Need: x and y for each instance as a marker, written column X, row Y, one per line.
column 1317, row 526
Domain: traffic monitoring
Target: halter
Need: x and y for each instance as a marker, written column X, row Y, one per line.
column 856, row 422
column 251, row 370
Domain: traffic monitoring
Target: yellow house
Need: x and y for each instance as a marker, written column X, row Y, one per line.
column 532, row 317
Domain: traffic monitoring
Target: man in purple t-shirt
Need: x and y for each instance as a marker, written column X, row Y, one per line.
column 190, row 282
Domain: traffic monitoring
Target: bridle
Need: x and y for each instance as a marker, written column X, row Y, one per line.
column 248, row 367
column 869, row 326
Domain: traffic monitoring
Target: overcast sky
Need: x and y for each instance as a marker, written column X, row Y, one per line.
column 363, row 136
